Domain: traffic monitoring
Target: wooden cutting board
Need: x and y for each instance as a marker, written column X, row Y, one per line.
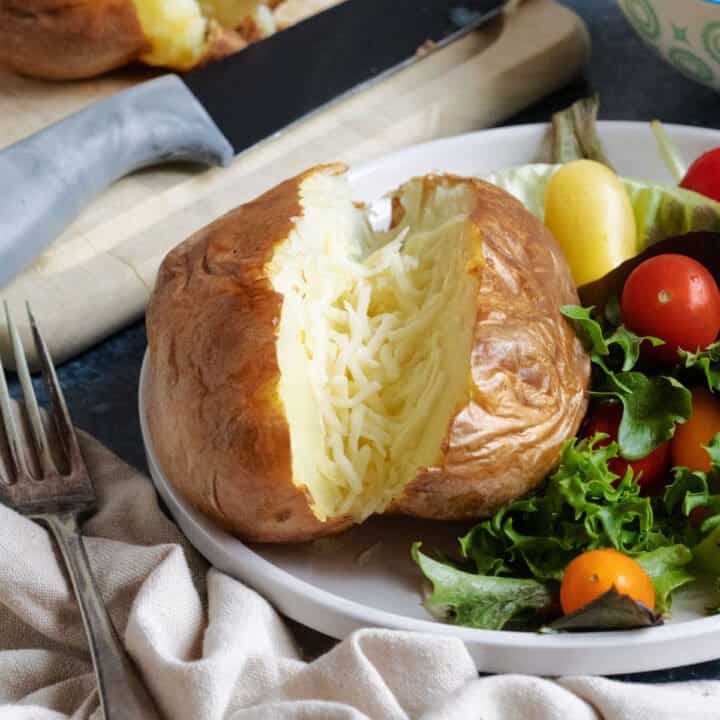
column 98, row 276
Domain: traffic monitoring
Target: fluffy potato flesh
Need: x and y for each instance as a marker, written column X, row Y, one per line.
column 374, row 340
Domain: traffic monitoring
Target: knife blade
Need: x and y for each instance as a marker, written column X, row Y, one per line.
column 303, row 69
column 215, row 112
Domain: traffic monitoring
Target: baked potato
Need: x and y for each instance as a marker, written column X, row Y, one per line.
column 307, row 371
column 83, row 38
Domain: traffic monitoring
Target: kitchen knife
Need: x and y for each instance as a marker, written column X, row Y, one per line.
column 214, row 112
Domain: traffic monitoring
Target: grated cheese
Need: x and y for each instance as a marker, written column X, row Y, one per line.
column 374, row 342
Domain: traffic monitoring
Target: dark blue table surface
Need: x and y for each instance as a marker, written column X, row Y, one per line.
column 101, row 385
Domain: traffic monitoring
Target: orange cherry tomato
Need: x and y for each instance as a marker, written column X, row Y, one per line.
column 649, row 472
column 690, row 437
column 674, row 298
column 593, row 573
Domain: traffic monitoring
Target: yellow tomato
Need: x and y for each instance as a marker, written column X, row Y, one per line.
column 690, row 438
column 590, row 215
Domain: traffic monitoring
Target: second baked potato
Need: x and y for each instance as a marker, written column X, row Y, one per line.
column 80, row 39
column 307, row 371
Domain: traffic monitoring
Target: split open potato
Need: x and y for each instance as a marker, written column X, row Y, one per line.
column 308, row 371
column 83, row 38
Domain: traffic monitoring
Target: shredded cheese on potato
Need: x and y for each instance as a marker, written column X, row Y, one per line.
column 374, row 341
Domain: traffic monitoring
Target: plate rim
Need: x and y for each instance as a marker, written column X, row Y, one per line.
column 361, row 615
column 368, row 167
column 367, row 616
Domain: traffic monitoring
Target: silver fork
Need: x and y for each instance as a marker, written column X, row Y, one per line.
column 57, row 498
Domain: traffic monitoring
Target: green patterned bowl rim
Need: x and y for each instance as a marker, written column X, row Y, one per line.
column 644, row 17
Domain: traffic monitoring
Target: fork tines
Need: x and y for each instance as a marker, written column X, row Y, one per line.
column 40, row 487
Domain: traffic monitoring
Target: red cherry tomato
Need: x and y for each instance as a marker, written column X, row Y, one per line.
column 674, row 298
column 704, row 175
column 651, row 471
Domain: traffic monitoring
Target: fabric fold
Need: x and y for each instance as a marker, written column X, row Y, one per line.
column 209, row 647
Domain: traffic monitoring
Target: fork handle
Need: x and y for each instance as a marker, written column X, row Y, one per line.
column 122, row 694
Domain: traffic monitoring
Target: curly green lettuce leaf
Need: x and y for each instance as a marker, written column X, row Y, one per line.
column 479, row 601
column 706, row 554
column 652, row 406
column 706, row 361
column 589, row 329
column 630, row 344
column 583, row 506
column 660, row 211
column 706, row 561
column 691, row 489
column 598, row 345
column 713, row 448
column 668, row 570
column 688, row 491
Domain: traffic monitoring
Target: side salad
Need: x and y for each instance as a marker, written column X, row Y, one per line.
column 632, row 512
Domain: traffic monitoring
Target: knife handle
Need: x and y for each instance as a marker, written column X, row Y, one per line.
column 48, row 178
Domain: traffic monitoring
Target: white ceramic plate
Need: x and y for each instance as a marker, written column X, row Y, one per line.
column 366, row 578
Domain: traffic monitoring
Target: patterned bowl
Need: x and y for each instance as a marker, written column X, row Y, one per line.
column 685, row 32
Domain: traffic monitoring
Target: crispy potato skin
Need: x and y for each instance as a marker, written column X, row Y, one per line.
column 529, row 371
column 216, row 420
column 69, row 39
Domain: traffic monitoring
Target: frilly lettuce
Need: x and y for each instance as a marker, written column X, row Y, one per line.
column 660, row 211
column 707, row 361
column 511, row 565
column 652, row 405
column 583, row 506
column 668, row 570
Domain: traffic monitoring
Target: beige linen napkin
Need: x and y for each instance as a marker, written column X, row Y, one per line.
column 211, row 648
